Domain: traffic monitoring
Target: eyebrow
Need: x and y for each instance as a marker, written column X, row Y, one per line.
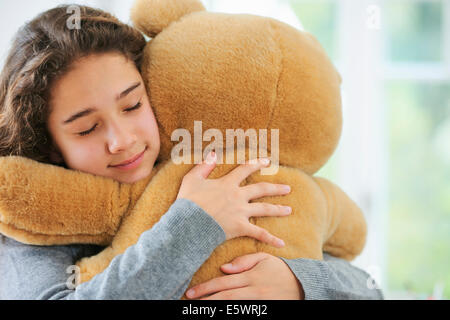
column 88, row 111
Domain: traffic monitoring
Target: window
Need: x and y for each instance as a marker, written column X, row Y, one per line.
column 417, row 86
column 419, row 237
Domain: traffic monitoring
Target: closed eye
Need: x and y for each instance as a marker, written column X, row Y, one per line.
column 139, row 104
column 85, row 133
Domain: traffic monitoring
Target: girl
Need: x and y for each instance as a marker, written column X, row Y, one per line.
column 75, row 98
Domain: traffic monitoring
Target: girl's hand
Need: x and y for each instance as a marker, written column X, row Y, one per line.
column 257, row 276
column 228, row 203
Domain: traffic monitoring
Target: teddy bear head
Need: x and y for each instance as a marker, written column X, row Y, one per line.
column 215, row 74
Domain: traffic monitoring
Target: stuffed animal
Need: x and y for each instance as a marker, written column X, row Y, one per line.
column 207, row 73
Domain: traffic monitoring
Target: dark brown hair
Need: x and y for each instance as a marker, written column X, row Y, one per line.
column 43, row 50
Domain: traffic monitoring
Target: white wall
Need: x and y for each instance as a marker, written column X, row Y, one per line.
column 15, row 13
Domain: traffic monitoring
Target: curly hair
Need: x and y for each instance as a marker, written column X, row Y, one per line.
column 42, row 51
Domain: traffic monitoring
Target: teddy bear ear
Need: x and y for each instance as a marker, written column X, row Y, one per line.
column 152, row 16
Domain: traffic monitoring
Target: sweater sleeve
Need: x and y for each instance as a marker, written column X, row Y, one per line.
column 333, row 279
column 159, row 266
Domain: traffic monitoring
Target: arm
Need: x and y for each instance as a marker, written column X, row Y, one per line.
column 332, row 279
column 159, row 266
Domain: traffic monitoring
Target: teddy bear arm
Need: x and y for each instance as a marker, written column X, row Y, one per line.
column 43, row 204
column 347, row 229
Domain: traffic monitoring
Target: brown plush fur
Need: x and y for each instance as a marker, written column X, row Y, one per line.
column 230, row 72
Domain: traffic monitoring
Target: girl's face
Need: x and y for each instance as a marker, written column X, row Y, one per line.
column 100, row 117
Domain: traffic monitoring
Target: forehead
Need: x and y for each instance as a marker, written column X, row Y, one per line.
column 93, row 80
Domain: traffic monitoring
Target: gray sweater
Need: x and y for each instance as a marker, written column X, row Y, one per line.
column 159, row 266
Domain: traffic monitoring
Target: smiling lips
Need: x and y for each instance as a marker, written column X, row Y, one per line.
column 132, row 163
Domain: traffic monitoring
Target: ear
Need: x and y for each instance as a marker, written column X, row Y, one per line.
column 153, row 16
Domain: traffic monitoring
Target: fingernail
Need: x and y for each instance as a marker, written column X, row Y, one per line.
column 190, row 293
column 265, row 161
column 287, row 209
column 287, row 188
column 211, row 158
column 228, row 265
column 280, row 243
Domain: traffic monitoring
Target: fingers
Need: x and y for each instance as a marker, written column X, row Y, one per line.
column 263, row 235
column 205, row 168
column 247, row 293
column 265, row 189
column 240, row 173
column 244, row 263
column 262, row 209
column 216, row 285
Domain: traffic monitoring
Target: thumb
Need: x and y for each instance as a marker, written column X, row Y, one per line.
column 244, row 263
column 205, row 168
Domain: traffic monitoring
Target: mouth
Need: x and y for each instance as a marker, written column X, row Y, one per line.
column 131, row 163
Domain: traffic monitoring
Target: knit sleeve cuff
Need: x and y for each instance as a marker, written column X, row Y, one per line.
column 313, row 276
column 193, row 225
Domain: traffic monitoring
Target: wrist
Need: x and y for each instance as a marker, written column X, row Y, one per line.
column 300, row 289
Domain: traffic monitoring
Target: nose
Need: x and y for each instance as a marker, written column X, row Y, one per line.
column 120, row 138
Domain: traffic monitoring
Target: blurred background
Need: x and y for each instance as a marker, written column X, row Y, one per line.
column 394, row 155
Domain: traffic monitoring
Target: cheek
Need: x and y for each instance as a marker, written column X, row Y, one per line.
column 148, row 126
column 84, row 157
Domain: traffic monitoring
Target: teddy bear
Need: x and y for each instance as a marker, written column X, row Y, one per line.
column 206, row 74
